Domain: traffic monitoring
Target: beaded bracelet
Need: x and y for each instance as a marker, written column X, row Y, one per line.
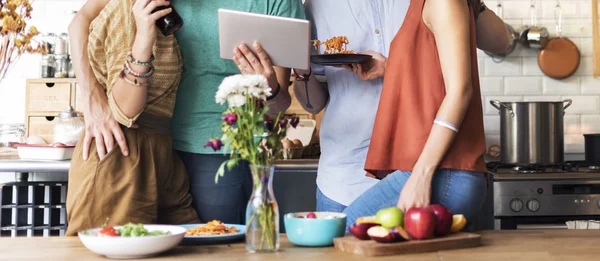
column 132, row 60
column 134, row 82
column 145, row 75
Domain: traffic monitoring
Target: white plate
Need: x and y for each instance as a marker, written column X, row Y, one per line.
column 132, row 247
column 45, row 152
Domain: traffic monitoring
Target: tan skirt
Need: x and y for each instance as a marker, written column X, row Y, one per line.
column 149, row 186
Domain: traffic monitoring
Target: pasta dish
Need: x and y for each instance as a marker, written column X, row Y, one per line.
column 335, row 45
column 211, row 228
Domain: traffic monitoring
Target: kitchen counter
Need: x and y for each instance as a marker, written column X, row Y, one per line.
column 510, row 245
column 29, row 166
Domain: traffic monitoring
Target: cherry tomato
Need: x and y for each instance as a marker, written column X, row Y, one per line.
column 108, row 232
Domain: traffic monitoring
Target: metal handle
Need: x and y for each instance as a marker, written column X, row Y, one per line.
column 541, row 226
column 569, row 102
column 497, row 105
column 533, row 13
column 499, row 9
column 558, row 16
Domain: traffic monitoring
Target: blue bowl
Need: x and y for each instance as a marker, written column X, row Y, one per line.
column 315, row 232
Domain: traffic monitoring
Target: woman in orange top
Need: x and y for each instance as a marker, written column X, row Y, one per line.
column 428, row 140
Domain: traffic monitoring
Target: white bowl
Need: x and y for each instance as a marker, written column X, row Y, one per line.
column 133, row 247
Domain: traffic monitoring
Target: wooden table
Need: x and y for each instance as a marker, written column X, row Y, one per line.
column 497, row 245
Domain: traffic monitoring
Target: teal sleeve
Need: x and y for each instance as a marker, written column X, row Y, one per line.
column 287, row 8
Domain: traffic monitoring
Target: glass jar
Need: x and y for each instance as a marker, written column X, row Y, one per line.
column 48, row 66
column 71, row 71
column 11, row 135
column 62, row 44
column 69, row 127
column 49, row 40
column 262, row 213
column 62, row 66
column 169, row 23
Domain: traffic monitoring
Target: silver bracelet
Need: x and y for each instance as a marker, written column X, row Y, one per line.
column 446, row 125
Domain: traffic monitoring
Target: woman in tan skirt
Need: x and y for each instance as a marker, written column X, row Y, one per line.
column 140, row 71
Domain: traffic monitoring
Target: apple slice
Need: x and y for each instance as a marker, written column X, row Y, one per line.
column 401, row 233
column 458, row 223
column 359, row 230
column 382, row 235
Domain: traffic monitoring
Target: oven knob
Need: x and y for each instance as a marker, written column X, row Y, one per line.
column 533, row 205
column 516, row 205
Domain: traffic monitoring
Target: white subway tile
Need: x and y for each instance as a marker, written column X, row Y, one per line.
column 490, row 110
column 510, row 66
column 574, row 143
column 586, row 8
column 569, row 9
column 522, row 51
column 584, row 104
column 586, row 46
column 590, row 123
column 519, row 9
column 491, row 124
column 565, row 86
column 491, row 85
column 531, row 67
column 522, row 85
column 572, row 124
column 585, row 67
column 571, row 27
column 589, row 85
column 480, row 66
column 542, row 98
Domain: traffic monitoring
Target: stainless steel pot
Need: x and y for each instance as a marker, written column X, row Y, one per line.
column 533, row 36
column 532, row 133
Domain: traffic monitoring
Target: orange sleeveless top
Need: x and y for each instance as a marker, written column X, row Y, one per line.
column 413, row 91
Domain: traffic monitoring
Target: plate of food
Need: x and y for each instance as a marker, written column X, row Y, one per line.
column 213, row 232
column 336, row 53
column 132, row 240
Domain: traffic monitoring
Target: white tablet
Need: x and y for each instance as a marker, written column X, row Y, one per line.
column 286, row 40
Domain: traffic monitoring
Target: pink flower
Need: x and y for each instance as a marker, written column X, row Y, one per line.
column 283, row 123
column 215, row 144
column 294, row 121
column 230, row 118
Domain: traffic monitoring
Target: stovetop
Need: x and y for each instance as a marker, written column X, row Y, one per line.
column 570, row 170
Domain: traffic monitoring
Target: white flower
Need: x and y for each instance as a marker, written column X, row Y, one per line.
column 236, row 100
column 235, row 88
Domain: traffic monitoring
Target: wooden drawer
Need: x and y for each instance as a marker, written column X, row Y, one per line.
column 42, row 126
column 48, row 96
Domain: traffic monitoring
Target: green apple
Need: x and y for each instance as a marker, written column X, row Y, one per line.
column 390, row 217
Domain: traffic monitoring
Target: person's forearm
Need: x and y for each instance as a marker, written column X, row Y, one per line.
column 317, row 94
column 131, row 99
column 492, row 35
column 452, row 110
column 281, row 102
column 89, row 87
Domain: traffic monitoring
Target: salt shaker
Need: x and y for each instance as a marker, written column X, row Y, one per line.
column 69, row 127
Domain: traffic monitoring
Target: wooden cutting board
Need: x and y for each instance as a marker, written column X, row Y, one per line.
column 351, row 244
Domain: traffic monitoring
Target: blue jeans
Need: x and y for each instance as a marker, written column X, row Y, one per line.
column 463, row 192
column 325, row 204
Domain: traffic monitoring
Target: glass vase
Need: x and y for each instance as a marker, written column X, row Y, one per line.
column 262, row 213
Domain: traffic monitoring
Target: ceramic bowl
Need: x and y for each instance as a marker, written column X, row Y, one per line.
column 132, row 247
column 314, row 232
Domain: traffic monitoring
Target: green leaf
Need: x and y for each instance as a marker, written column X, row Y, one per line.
column 232, row 163
column 220, row 172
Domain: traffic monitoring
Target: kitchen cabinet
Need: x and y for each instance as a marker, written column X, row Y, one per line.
column 45, row 99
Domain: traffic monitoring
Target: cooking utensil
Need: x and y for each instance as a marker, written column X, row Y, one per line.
column 592, row 148
column 532, row 133
column 533, row 36
column 338, row 59
column 596, row 38
column 560, row 59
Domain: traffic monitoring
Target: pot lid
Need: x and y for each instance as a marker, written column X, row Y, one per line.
column 69, row 113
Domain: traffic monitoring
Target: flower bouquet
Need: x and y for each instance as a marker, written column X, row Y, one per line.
column 15, row 39
column 249, row 135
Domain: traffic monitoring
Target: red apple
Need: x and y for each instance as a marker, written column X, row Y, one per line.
column 382, row 235
column 420, row 223
column 443, row 220
column 311, row 215
column 359, row 230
